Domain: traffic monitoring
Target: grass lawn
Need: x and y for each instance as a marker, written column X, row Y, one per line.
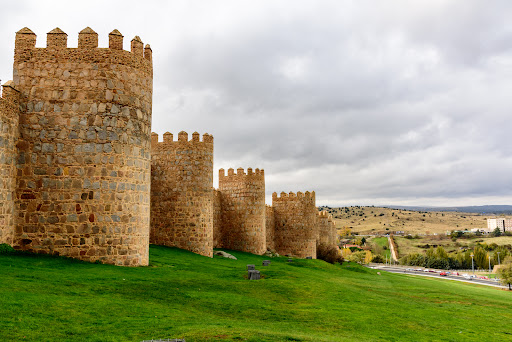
column 183, row 295
column 383, row 242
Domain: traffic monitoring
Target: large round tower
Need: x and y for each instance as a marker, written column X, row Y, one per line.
column 84, row 153
column 243, row 210
column 182, row 192
column 296, row 224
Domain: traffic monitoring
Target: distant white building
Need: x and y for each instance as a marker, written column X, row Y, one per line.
column 502, row 223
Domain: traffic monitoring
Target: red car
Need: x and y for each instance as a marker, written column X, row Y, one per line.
column 443, row 274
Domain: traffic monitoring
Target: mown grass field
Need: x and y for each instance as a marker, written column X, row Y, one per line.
column 183, row 295
column 383, row 242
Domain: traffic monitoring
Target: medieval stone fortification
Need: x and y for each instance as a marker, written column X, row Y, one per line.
column 82, row 176
column 181, row 192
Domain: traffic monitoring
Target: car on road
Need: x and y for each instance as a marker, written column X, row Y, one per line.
column 443, row 274
column 426, row 270
column 419, row 270
column 456, row 273
column 466, row 276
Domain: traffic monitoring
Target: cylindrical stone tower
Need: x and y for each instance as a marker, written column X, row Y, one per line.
column 243, row 210
column 84, row 153
column 181, row 192
column 326, row 229
column 296, row 224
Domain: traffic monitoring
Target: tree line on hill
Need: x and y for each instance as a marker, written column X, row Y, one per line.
column 439, row 258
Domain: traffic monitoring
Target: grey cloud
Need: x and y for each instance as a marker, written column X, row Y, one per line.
column 364, row 102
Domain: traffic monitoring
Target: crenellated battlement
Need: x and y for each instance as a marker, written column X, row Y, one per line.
column 296, row 223
column 240, row 172
column 181, row 174
column 91, row 109
column 87, row 51
column 326, row 233
column 307, row 196
column 169, row 143
column 75, row 133
column 243, row 210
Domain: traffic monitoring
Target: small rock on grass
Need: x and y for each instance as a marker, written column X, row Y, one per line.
column 225, row 255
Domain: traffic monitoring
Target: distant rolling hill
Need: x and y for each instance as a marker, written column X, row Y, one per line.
column 480, row 209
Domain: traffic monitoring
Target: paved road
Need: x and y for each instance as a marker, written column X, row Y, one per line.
column 436, row 275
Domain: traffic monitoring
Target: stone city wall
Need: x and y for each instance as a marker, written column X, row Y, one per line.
column 326, row 229
column 83, row 168
column 217, row 219
column 181, row 192
column 9, row 134
column 296, row 224
column 270, row 227
column 243, row 210
column 82, row 176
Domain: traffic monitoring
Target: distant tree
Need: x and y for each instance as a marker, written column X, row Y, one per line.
column 378, row 259
column 441, row 253
column 497, row 232
column 480, row 256
column 345, row 232
column 363, row 240
column 368, row 257
column 358, row 257
column 505, row 272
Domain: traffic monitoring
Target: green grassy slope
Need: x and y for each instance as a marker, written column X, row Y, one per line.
column 183, row 295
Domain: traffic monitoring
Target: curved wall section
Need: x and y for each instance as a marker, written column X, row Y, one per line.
column 83, row 170
column 296, row 224
column 243, row 210
column 182, row 192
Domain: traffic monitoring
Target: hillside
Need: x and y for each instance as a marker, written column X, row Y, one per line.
column 184, row 295
column 477, row 209
column 372, row 220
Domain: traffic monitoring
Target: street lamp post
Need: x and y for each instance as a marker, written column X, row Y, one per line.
column 489, row 265
column 472, row 263
column 499, row 258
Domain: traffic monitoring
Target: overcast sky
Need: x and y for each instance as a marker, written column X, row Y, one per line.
column 364, row 102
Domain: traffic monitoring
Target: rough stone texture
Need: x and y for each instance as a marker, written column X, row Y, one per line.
column 225, row 255
column 217, row 219
column 9, row 134
column 83, row 164
column 270, row 227
column 326, row 229
column 181, row 192
column 76, row 169
column 254, row 275
column 243, row 210
column 296, row 224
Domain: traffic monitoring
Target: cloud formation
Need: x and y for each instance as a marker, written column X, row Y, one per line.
column 365, row 102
